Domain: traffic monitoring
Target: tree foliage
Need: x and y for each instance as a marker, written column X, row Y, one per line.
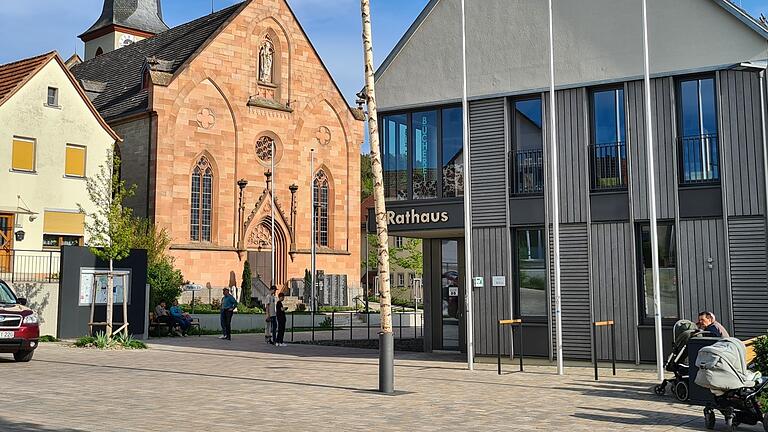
column 408, row 256
column 164, row 281
column 146, row 235
column 247, row 285
column 110, row 225
column 366, row 177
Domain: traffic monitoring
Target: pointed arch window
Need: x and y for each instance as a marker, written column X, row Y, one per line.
column 321, row 189
column 201, row 201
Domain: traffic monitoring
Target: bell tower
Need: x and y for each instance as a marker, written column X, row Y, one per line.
column 123, row 22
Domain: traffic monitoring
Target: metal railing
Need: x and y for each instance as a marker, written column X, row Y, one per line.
column 29, row 266
column 608, row 166
column 698, row 159
column 528, row 172
column 353, row 325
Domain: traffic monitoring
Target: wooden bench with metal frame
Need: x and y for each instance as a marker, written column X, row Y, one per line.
column 157, row 325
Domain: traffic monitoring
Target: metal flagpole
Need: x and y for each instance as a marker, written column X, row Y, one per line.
column 313, row 234
column 652, row 202
column 467, row 198
column 272, row 210
column 555, row 198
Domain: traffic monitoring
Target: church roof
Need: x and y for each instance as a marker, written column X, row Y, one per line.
column 122, row 69
column 142, row 15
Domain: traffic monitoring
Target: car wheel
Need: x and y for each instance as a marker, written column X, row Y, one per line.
column 23, row 356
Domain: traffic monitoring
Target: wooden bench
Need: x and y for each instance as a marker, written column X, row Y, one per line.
column 157, row 325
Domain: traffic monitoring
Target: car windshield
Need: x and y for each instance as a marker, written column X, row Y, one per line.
column 6, row 296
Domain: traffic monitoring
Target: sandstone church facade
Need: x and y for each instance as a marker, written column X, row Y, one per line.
column 201, row 107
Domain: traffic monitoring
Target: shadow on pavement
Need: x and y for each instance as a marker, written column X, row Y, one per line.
column 647, row 418
column 8, row 425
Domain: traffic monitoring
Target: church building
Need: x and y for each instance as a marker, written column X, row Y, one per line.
column 207, row 110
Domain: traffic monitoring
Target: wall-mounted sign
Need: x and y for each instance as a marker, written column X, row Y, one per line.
column 192, row 287
column 478, row 282
column 414, row 216
column 453, row 291
column 499, row 281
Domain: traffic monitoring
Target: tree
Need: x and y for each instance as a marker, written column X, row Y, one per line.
column 146, row 235
column 109, row 226
column 366, row 177
column 247, row 285
column 409, row 256
column 164, row 281
column 386, row 348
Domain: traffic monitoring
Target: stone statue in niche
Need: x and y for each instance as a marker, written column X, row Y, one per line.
column 266, row 56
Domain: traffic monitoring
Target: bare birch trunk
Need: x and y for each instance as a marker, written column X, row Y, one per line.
column 378, row 182
column 110, row 300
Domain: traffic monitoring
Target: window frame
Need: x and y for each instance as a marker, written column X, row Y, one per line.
column 32, row 141
column 60, row 240
column 593, row 136
column 513, row 181
column 411, row 146
column 55, row 103
column 517, row 295
column 322, row 191
column 204, row 165
column 85, row 160
column 642, row 314
column 679, row 127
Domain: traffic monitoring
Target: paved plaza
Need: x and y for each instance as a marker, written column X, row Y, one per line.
column 203, row 383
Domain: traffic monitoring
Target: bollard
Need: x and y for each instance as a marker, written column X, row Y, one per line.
column 351, row 318
column 597, row 324
column 333, row 324
column 368, row 323
column 292, row 326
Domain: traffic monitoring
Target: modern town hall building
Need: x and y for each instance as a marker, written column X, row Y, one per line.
column 707, row 60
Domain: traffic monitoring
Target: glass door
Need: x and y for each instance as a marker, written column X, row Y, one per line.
column 451, row 290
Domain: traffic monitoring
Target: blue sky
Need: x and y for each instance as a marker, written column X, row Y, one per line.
column 31, row 27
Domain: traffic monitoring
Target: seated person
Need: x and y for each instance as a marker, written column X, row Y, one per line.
column 163, row 316
column 181, row 317
column 708, row 323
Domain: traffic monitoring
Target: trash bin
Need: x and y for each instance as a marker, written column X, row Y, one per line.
column 698, row 395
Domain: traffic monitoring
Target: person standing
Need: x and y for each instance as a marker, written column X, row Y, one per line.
column 228, row 305
column 271, row 305
column 281, row 319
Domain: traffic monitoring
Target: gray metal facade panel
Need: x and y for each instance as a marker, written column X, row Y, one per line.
column 701, row 287
column 487, row 145
column 663, row 144
column 741, row 141
column 574, row 288
column 749, row 278
column 613, row 270
column 490, row 303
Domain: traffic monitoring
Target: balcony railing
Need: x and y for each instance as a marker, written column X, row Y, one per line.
column 29, row 266
column 608, row 165
column 699, row 159
column 528, row 172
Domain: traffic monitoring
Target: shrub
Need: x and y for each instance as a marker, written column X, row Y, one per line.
column 327, row 322
column 164, row 281
column 48, row 338
column 85, row 341
column 128, row 342
column 247, row 285
column 301, row 307
column 761, row 364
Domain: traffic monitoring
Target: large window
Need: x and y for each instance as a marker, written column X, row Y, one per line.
column 698, row 151
column 201, row 201
column 531, row 273
column 667, row 272
column 528, row 139
column 453, row 153
column 395, row 156
column 321, row 186
column 424, row 155
column 608, row 153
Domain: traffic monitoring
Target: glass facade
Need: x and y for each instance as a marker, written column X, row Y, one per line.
column 528, row 140
column 608, row 152
column 449, row 267
column 422, row 154
column 667, row 271
column 699, row 159
column 531, row 273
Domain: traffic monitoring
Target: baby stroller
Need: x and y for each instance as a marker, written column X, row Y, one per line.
column 677, row 363
column 723, row 370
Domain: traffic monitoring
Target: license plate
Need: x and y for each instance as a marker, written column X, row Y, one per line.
column 6, row 335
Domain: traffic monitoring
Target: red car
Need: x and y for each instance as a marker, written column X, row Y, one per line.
column 19, row 325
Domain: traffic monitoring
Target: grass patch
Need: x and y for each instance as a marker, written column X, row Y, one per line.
column 207, row 309
column 49, row 338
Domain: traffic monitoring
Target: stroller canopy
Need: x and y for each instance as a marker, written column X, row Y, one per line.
column 723, row 366
column 683, row 331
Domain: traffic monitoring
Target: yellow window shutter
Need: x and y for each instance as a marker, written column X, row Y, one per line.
column 63, row 223
column 23, row 155
column 75, row 161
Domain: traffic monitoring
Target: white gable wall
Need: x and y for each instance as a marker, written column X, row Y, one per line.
column 595, row 41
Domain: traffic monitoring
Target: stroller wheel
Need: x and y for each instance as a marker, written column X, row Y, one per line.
column 765, row 422
column 709, row 418
column 681, row 391
column 660, row 389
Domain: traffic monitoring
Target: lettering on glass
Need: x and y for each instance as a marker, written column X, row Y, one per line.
column 415, row 217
